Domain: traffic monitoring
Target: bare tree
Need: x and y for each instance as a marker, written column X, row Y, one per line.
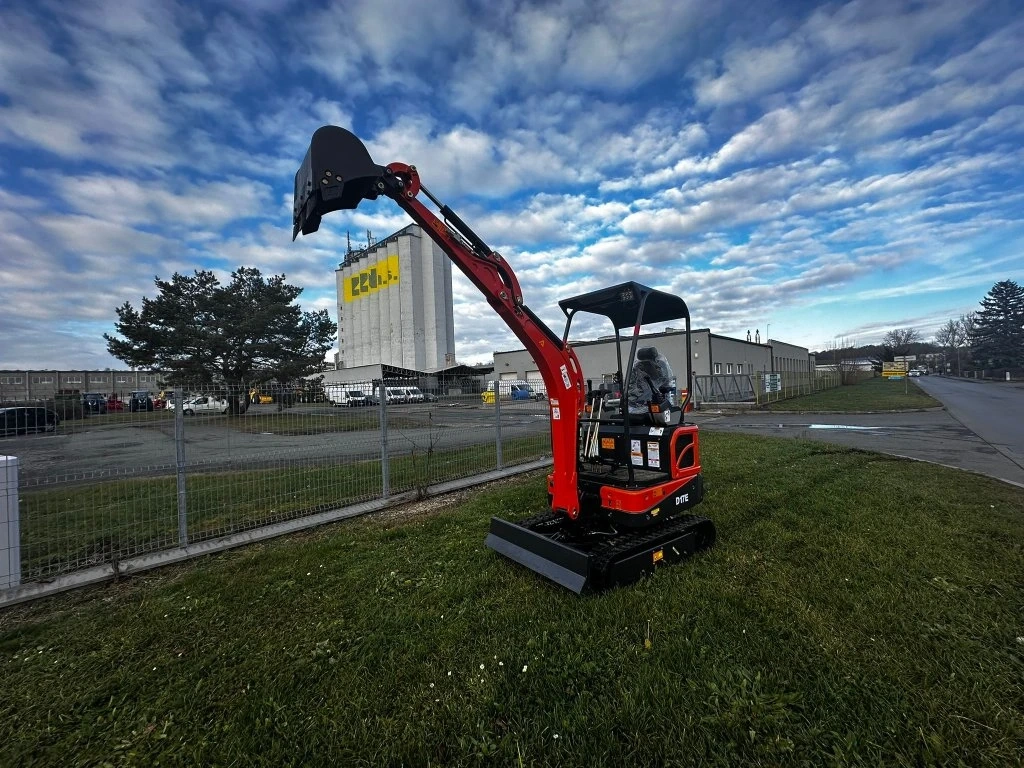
column 844, row 362
column 952, row 336
column 900, row 339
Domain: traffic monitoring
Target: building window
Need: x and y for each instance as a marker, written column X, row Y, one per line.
column 718, row 368
column 122, row 379
column 728, row 368
column 72, row 379
column 98, row 379
column 42, row 379
column 10, row 379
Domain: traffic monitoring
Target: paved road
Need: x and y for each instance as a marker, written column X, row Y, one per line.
column 992, row 410
column 989, row 445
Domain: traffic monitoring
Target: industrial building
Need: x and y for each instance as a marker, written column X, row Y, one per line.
column 395, row 305
column 42, row 384
column 723, row 366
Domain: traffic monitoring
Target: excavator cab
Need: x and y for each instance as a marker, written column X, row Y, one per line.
column 620, row 486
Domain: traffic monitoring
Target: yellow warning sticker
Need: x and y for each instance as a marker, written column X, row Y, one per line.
column 659, row 555
column 608, row 443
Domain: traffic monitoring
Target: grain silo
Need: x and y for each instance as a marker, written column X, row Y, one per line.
column 395, row 304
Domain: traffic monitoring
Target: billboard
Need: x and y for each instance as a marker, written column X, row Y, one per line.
column 373, row 278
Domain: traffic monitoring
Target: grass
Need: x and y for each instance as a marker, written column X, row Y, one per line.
column 71, row 527
column 866, row 396
column 857, row 610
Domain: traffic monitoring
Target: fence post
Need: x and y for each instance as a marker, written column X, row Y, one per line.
column 497, row 424
column 385, row 466
column 179, row 458
column 10, row 529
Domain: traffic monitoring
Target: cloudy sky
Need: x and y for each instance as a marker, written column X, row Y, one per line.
column 817, row 171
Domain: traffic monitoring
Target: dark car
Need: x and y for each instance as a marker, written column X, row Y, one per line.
column 93, row 402
column 20, row 420
column 140, row 401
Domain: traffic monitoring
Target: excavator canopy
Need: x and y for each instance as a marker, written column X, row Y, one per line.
column 336, row 173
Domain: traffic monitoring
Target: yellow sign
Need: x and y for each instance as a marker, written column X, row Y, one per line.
column 372, row 279
column 608, row 443
column 896, row 369
column 659, row 555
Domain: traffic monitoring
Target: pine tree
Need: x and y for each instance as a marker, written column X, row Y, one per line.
column 997, row 337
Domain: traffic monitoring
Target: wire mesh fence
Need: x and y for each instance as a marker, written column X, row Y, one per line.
column 100, row 485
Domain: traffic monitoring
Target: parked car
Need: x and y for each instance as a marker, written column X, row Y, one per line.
column 114, row 403
column 94, row 402
column 511, row 390
column 205, row 404
column 140, row 400
column 20, row 420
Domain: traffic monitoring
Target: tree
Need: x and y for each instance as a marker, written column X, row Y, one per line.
column 997, row 336
column 899, row 340
column 243, row 333
column 952, row 336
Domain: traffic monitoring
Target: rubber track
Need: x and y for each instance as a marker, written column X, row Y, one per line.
column 624, row 545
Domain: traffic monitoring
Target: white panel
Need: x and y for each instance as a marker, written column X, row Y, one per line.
column 10, row 534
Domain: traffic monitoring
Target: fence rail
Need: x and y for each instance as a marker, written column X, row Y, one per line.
column 761, row 388
column 211, row 462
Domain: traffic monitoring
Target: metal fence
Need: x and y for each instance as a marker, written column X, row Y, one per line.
column 761, row 388
column 210, row 461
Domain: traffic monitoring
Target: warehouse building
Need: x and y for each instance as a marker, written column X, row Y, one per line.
column 724, row 367
column 43, row 384
column 395, row 305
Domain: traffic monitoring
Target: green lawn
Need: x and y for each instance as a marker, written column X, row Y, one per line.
column 869, row 395
column 858, row 609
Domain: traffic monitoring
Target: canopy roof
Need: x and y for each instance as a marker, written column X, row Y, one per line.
column 621, row 303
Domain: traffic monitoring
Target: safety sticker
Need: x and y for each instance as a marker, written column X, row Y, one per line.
column 565, row 377
column 556, row 414
column 554, row 402
column 654, row 455
column 635, row 454
column 657, row 431
column 608, row 443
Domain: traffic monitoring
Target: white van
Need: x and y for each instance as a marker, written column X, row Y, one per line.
column 396, row 395
column 413, row 395
column 346, row 395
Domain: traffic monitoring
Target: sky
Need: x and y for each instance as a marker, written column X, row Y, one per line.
column 818, row 172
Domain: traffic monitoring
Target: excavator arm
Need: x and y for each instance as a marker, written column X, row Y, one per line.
column 337, row 173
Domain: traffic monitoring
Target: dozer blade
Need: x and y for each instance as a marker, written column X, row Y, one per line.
column 337, row 173
column 617, row 561
column 553, row 560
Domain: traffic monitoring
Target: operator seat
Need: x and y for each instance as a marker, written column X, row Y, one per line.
column 650, row 379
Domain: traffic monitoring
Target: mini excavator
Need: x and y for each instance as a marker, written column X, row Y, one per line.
column 622, row 480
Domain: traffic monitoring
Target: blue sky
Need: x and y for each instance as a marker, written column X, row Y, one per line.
column 817, row 171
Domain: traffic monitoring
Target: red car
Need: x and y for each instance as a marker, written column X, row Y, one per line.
column 114, row 404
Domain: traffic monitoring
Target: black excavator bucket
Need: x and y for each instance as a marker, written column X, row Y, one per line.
column 336, row 173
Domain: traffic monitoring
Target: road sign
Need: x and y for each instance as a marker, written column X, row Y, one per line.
column 895, row 370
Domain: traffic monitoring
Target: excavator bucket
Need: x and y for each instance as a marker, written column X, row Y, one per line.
column 337, row 173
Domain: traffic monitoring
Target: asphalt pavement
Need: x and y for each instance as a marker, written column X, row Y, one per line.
column 979, row 429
